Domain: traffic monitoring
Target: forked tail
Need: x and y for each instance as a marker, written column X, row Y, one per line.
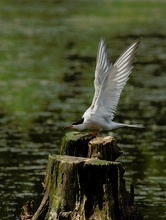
column 115, row 125
column 135, row 126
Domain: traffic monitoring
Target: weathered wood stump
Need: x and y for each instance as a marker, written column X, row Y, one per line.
column 86, row 188
column 82, row 188
column 80, row 145
column 104, row 147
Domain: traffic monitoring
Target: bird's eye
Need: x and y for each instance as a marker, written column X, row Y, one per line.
column 79, row 122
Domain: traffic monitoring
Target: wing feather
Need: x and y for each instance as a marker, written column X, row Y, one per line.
column 115, row 78
column 102, row 67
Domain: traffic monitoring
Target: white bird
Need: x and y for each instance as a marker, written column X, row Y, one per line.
column 109, row 82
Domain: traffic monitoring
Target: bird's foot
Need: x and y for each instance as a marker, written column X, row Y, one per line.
column 91, row 134
column 94, row 133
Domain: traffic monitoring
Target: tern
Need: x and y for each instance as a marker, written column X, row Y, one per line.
column 108, row 83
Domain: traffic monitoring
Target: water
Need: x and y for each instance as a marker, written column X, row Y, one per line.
column 24, row 155
column 46, row 83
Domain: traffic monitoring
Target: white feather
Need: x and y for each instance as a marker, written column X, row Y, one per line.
column 113, row 83
column 108, row 83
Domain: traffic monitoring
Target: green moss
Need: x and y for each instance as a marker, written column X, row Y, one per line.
column 100, row 162
column 56, row 199
column 73, row 135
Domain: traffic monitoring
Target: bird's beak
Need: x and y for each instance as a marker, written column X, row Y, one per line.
column 70, row 126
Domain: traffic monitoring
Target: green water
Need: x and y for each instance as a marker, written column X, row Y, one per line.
column 47, row 61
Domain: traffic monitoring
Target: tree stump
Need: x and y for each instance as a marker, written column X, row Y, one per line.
column 75, row 144
column 105, row 148
column 80, row 145
column 83, row 188
column 86, row 188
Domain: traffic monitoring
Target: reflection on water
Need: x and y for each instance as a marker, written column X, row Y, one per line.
column 24, row 153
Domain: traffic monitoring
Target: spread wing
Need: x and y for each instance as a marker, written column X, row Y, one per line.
column 102, row 67
column 114, row 80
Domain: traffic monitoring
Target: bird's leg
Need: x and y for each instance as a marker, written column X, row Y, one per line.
column 94, row 133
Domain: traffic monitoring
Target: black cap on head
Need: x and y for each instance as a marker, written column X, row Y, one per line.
column 79, row 122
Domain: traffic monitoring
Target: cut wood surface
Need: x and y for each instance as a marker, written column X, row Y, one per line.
column 104, row 147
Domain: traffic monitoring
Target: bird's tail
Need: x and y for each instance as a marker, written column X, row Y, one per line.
column 115, row 125
column 134, row 126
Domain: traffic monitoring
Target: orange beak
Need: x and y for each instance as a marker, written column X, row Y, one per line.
column 70, row 126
